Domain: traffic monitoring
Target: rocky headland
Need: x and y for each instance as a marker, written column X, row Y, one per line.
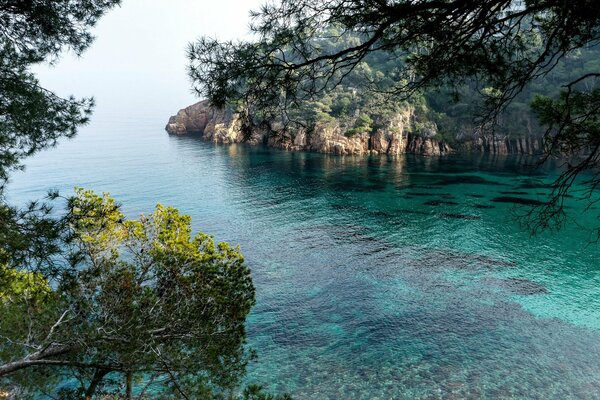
column 394, row 136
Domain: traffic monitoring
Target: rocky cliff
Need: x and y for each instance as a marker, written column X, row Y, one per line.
column 395, row 137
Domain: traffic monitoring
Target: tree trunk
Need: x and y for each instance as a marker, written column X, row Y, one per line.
column 96, row 379
column 128, row 385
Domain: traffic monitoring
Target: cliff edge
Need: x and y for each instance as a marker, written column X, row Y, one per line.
column 396, row 135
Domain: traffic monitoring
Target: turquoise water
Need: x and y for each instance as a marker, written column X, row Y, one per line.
column 377, row 278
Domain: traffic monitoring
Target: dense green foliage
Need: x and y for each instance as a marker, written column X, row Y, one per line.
column 502, row 43
column 91, row 303
column 362, row 97
column 357, row 98
column 33, row 118
column 139, row 298
column 456, row 110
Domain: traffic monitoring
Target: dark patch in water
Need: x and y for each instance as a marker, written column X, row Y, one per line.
column 517, row 193
column 406, row 211
column 467, row 179
column 381, row 248
column 358, row 237
column 477, row 196
column 440, row 202
column 460, row 216
column 449, row 258
column 353, row 186
column 532, row 184
column 521, row 286
column 379, row 213
column 427, row 194
column 483, row 206
column 423, row 187
column 518, row 200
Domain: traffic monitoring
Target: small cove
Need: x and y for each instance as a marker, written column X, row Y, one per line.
column 376, row 277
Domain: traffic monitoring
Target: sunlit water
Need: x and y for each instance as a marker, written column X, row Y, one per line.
column 377, row 278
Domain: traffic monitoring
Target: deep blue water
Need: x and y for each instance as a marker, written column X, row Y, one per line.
column 377, row 278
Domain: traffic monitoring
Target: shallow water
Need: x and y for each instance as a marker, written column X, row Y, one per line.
column 377, row 278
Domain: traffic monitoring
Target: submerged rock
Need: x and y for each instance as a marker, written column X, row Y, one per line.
column 408, row 211
column 483, row 206
column 515, row 193
column 521, row 286
column 466, row 180
column 518, row 200
column 454, row 259
column 428, row 194
column 533, row 184
column 380, row 213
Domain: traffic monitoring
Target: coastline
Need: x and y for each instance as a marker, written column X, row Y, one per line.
column 395, row 137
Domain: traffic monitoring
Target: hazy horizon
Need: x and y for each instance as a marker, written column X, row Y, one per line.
column 137, row 64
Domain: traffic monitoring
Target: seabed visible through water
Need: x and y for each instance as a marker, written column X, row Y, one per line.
column 377, row 278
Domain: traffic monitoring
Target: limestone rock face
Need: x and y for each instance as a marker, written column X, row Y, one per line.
column 192, row 119
column 500, row 145
column 215, row 125
column 223, row 127
column 426, row 146
column 328, row 138
column 396, row 135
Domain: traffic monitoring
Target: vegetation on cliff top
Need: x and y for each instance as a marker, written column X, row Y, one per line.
column 361, row 97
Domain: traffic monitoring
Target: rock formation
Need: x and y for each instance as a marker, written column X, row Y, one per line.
column 394, row 138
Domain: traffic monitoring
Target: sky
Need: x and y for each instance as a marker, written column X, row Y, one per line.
column 137, row 64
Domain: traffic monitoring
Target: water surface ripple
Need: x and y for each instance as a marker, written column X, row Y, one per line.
column 377, row 278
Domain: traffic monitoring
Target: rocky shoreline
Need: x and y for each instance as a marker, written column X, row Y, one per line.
column 394, row 138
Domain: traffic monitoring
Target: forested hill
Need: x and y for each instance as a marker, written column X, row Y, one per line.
column 363, row 98
column 358, row 109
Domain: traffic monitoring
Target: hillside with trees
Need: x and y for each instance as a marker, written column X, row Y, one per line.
column 507, row 51
column 361, row 98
